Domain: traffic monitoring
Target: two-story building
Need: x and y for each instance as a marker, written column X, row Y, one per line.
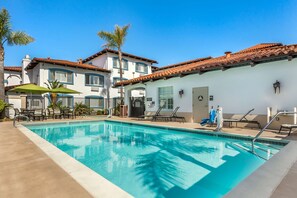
column 133, row 67
column 93, row 77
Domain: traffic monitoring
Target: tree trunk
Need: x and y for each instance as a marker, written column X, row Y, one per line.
column 2, row 88
column 121, row 78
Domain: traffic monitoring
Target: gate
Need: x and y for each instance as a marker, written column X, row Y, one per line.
column 137, row 106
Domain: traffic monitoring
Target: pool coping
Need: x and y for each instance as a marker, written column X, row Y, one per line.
column 264, row 180
column 91, row 181
column 252, row 185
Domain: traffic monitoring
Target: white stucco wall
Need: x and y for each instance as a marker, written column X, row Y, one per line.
column 78, row 79
column 236, row 90
column 106, row 61
column 100, row 61
column 12, row 78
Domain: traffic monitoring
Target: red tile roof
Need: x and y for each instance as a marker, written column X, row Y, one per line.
column 35, row 62
column 13, row 68
column 182, row 63
column 250, row 56
column 104, row 51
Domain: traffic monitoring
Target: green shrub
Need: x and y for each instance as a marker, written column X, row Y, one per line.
column 3, row 105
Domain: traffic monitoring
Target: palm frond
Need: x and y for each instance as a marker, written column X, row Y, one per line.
column 108, row 38
column 19, row 38
column 115, row 39
column 5, row 26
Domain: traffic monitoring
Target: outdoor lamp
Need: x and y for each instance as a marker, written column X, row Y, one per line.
column 276, row 86
column 181, row 92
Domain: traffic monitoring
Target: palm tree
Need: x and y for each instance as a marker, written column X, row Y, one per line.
column 11, row 38
column 53, row 85
column 116, row 40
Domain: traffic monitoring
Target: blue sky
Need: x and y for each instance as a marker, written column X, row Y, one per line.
column 166, row 31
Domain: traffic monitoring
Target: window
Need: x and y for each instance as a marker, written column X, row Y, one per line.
column 67, row 101
column 116, row 63
column 166, row 97
column 117, row 79
column 141, row 68
column 94, row 80
column 95, row 101
column 63, row 76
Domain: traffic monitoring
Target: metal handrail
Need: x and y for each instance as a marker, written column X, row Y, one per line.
column 263, row 129
column 20, row 116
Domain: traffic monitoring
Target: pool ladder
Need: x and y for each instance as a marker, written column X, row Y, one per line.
column 265, row 127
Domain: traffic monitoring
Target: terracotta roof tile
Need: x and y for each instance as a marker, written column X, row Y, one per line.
column 13, row 68
column 250, row 56
column 35, row 62
column 182, row 63
column 116, row 52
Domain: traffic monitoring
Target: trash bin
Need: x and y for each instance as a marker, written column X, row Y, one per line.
column 124, row 111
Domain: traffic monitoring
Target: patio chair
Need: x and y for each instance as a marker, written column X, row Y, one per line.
column 243, row 119
column 38, row 114
column 157, row 113
column 18, row 114
column 57, row 113
column 49, row 113
column 67, row 113
column 287, row 126
column 171, row 117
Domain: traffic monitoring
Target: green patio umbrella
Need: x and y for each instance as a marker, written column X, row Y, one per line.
column 64, row 90
column 31, row 89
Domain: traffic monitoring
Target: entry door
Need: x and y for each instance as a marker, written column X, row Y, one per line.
column 137, row 106
column 200, row 103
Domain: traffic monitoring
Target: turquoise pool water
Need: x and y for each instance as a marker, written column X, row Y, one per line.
column 157, row 162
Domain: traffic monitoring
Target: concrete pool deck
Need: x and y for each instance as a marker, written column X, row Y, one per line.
column 27, row 171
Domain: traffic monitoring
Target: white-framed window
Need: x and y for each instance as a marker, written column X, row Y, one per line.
column 166, row 97
column 67, row 101
column 94, row 101
column 94, row 80
column 116, row 63
column 141, row 68
column 61, row 75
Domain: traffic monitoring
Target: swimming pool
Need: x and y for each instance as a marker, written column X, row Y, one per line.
column 150, row 161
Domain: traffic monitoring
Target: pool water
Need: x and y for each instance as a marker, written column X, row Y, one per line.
column 156, row 162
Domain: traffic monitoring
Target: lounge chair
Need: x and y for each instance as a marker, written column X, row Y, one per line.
column 243, row 119
column 287, row 126
column 171, row 117
column 153, row 115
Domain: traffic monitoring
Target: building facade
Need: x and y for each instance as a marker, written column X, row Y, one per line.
column 93, row 78
column 133, row 67
column 262, row 77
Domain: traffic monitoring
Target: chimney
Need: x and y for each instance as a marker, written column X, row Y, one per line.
column 48, row 58
column 25, row 75
column 228, row 54
column 79, row 61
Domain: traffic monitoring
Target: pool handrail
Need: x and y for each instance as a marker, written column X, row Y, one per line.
column 264, row 128
column 20, row 116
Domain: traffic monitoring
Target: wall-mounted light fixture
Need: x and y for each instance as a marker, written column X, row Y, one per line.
column 181, row 92
column 276, row 86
